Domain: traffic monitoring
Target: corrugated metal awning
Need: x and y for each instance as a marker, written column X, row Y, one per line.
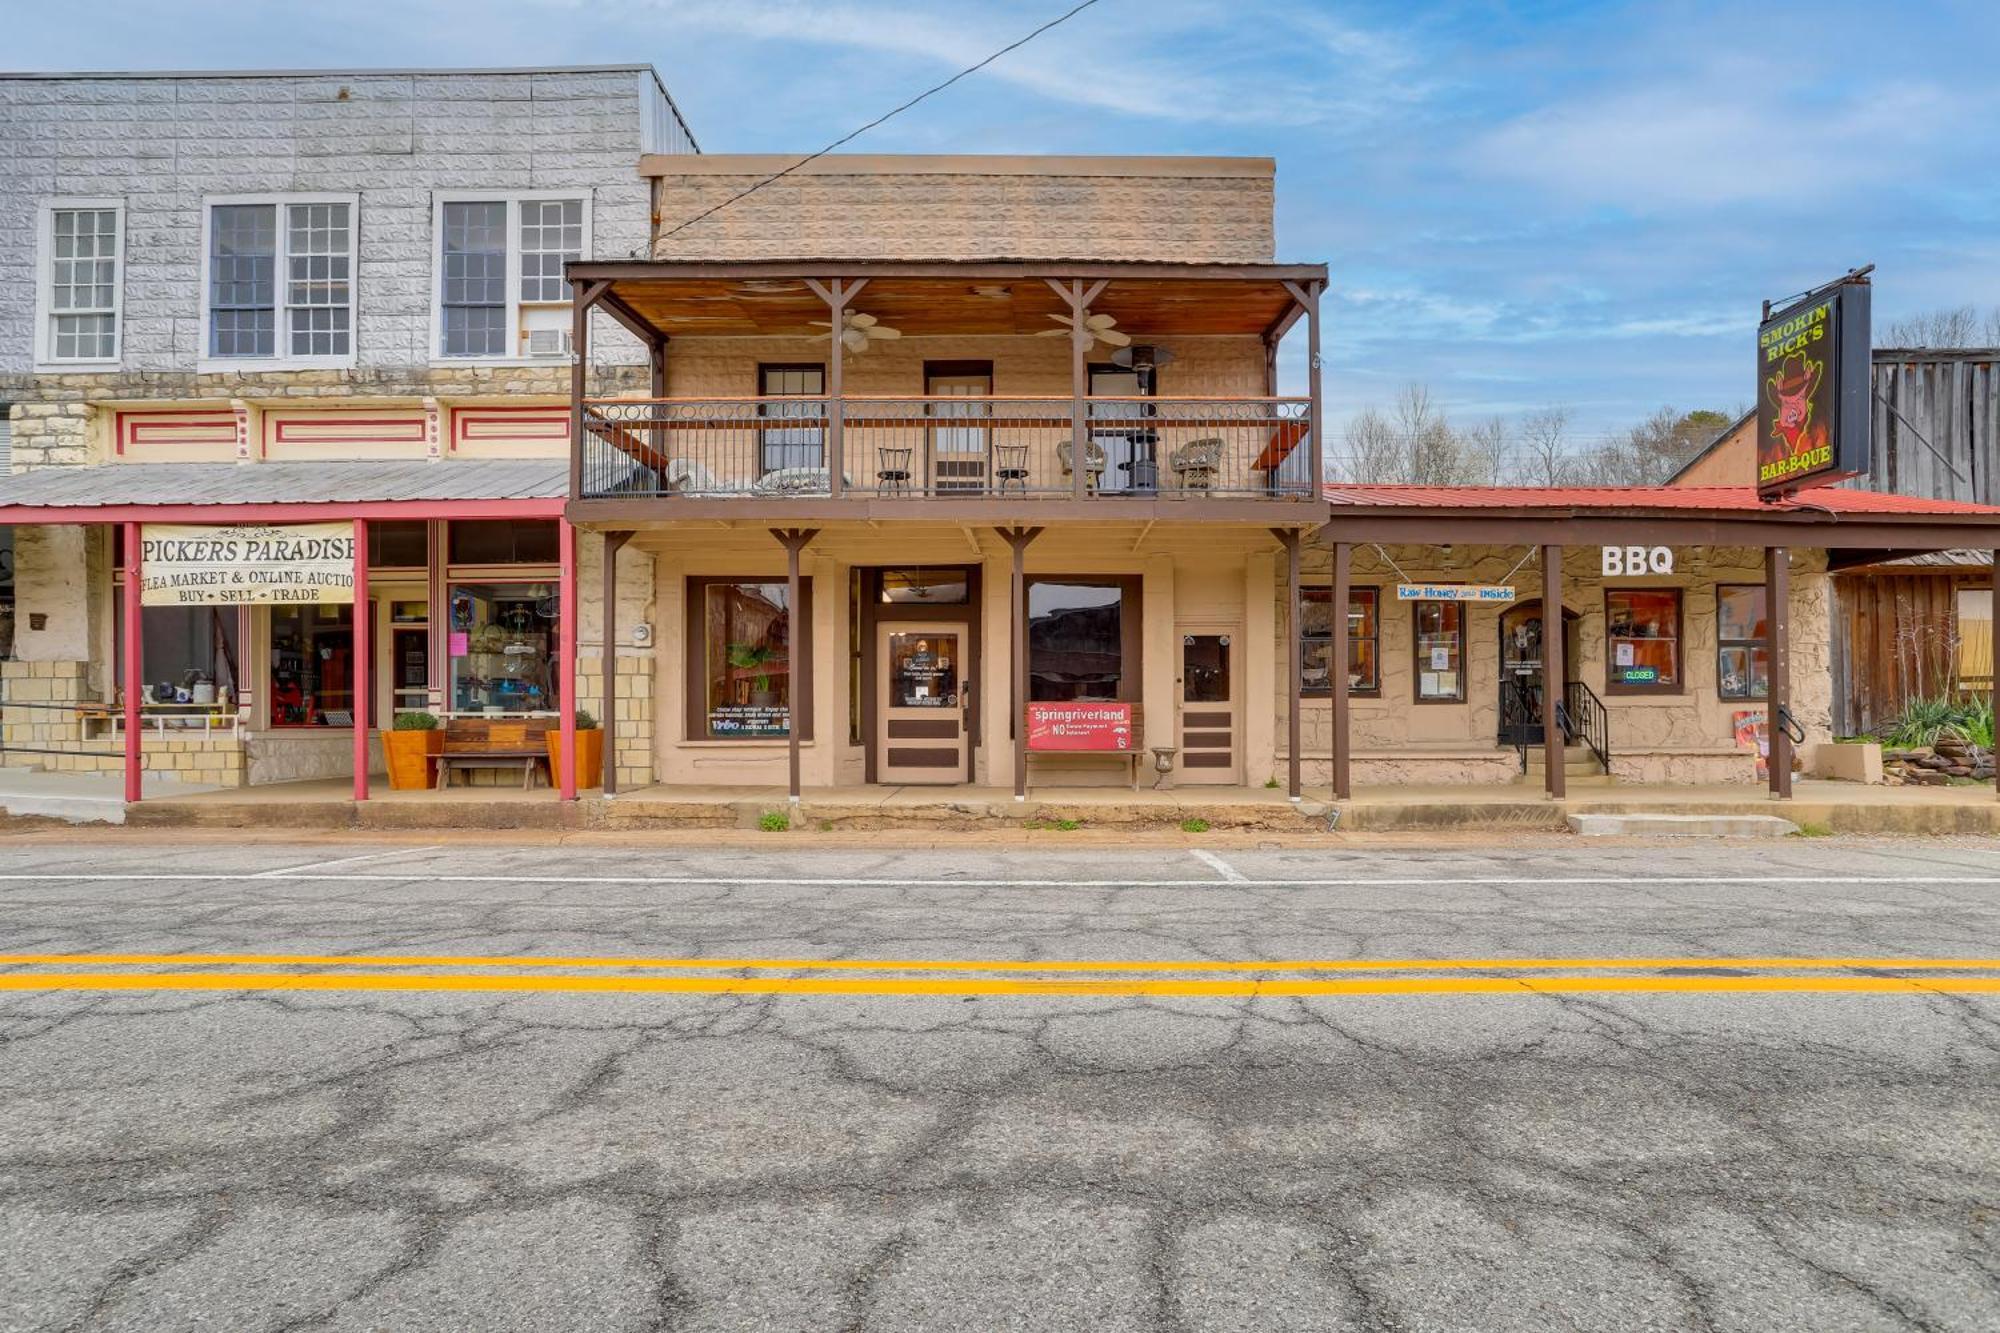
column 129, row 484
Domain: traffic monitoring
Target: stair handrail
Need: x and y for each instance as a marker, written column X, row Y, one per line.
column 1588, row 719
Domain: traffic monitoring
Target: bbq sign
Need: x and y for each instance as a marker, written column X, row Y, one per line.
column 1813, row 412
column 189, row 565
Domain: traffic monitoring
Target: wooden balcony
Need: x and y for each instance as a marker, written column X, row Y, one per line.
column 912, row 450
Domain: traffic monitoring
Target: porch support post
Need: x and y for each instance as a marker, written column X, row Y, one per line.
column 1993, row 665
column 135, row 665
column 1341, row 646
column 656, row 362
column 836, row 294
column 1778, row 602
column 1080, row 339
column 1553, row 673
column 1294, row 656
column 1018, row 539
column 586, row 295
column 614, row 542
column 795, row 541
column 363, row 659
column 1309, row 297
column 566, row 655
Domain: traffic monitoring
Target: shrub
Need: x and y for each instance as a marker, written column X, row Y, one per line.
column 774, row 821
column 416, row 722
column 1976, row 723
column 586, row 720
column 1068, row 825
column 1925, row 721
column 1194, row 826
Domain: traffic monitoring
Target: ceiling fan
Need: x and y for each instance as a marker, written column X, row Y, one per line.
column 859, row 332
column 1101, row 328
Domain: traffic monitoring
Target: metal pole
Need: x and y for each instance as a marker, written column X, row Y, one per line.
column 363, row 648
column 1554, row 776
column 566, row 655
column 135, row 665
column 1342, row 555
column 613, row 543
column 1993, row 664
column 1778, row 599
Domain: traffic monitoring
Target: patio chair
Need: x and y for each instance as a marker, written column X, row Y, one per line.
column 1010, row 468
column 1196, row 463
column 1093, row 463
column 892, row 473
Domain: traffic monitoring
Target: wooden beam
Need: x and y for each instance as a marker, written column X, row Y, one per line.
column 614, row 542
column 1294, row 656
column 1018, row 539
column 1778, row 598
column 794, row 541
column 1554, row 777
column 1337, row 670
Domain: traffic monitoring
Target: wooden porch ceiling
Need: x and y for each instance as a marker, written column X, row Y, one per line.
column 745, row 301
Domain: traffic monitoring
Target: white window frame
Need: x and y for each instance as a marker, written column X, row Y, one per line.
column 45, row 279
column 281, row 358
column 513, row 199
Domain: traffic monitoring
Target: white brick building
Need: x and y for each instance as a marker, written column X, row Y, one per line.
column 307, row 273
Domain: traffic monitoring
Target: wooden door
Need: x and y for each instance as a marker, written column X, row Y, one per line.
column 1209, row 707
column 921, row 734
column 959, row 452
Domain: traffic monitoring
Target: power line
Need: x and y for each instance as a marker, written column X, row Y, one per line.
column 969, row 69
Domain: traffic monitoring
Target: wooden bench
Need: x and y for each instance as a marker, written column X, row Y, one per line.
column 483, row 742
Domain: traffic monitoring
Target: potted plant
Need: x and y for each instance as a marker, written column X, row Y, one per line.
column 589, row 751
column 409, row 748
column 752, row 657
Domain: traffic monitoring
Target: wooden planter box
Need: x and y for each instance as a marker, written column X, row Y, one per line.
column 411, row 758
column 589, row 757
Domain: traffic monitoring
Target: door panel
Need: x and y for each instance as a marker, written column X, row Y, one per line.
column 921, row 733
column 959, row 452
column 1208, row 707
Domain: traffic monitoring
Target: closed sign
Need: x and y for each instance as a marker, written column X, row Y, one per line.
column 1638, row 560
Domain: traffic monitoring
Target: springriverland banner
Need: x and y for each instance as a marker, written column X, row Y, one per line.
column 190, row 564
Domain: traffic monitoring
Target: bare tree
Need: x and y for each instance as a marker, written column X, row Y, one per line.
column 1653, row 450
column 1959, row 326
column 1435, row 454
column 1374, row 451
column 1545, row 447
column 1484, row 450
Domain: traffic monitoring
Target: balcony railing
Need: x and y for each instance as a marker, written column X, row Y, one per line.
column 947, row 447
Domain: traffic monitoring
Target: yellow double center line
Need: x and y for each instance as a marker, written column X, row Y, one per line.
column 1009, row 977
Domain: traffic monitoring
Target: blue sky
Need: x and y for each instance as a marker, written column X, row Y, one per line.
column 1522, row 204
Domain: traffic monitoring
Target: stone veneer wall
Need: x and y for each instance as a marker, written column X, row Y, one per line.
column 188, row 756
column 1676, row 738
column 1193, row 209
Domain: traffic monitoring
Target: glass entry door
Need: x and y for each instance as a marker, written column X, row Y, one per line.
column 920, row 714
column 1208, row 708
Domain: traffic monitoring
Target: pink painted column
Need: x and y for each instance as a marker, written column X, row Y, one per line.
column 566, row 613
column 135, row 665
column 363, row 655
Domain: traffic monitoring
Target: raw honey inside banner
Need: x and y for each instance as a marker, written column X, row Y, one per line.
column 188, row 564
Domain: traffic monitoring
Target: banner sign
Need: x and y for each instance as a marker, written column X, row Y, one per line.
column 1084, row 727
column 1813, row 410
column 189, row 564
column 1453, row 592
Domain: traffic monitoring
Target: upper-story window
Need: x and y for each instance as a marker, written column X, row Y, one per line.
column 279, row 280
column 500, row 288
column 82, row 247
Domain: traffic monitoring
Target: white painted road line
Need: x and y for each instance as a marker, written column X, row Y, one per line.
column 1623, row 878
column 1218, row 865
column 287, row 872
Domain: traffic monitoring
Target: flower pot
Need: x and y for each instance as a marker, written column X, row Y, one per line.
column 589, row 756
column 410, row 756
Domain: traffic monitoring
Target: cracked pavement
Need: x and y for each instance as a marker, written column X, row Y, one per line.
column 349, row 1160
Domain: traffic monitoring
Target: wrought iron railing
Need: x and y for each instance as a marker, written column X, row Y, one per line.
column 1579, row 713
column 947, row 446
column 1585, row 720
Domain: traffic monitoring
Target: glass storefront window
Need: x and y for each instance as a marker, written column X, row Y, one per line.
column 1076, row 641
column 501, row 641
column 398, row 544
column 502, row 542
column 190, row 652
column 746, row 661
column 1743, row 655
column 1642, row 629
column 312, row 666
column 1364, row 637
column 923, row 670
column 924, row 587
column 1439, row 648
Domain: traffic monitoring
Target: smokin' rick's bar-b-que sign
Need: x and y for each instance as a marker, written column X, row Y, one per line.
column 187, row 564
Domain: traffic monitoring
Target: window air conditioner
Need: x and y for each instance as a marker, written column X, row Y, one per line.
column 548, row 342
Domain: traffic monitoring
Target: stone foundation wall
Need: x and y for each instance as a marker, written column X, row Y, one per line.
column 210, row 758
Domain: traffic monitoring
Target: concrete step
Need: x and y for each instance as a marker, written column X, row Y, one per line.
column 1681, row 826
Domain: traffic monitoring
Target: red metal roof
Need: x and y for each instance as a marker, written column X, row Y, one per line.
column 1741, row 499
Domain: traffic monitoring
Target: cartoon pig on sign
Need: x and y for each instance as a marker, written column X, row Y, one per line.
column 1791, row 391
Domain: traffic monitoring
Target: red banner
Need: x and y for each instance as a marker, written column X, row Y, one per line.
column 1105, row 727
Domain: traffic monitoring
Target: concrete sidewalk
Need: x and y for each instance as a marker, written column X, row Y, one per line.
column 80, row 798
column 1818, row 807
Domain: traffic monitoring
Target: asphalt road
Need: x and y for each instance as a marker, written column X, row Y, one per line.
column 1315, row 1096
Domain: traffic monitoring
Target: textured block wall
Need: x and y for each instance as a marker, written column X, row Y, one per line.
column 161, row 144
